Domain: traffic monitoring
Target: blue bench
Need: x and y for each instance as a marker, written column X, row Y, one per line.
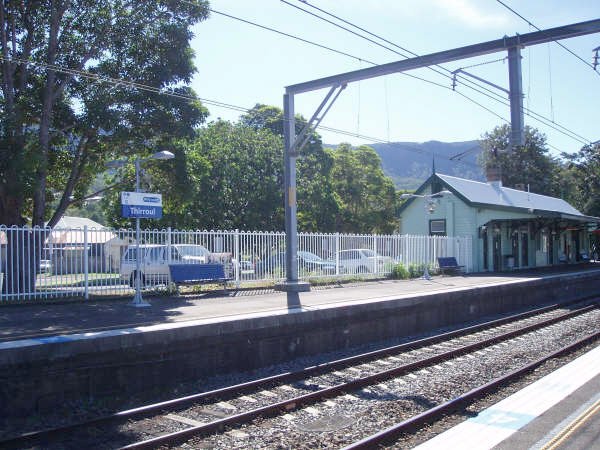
column 448, row 263
column 198, row 274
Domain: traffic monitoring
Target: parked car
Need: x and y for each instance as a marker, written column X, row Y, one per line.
column 45, row 266
column 312, row 263
column 155, row 260
column 362, row 260
column 246, row 269
column 308, row 262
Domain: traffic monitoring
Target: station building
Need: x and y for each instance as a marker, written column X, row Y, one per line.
column 510, row 228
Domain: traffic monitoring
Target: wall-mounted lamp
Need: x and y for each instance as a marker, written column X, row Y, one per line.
column 430, row 203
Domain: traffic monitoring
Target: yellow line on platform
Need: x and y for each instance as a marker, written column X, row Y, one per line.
column 561, row 437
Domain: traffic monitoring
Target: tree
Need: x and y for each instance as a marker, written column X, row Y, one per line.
column 529, row 164
column 236, row 175
column 60, row 115
column 585, row 169
column 59, row 124
column 317, row 203
column 367, row 196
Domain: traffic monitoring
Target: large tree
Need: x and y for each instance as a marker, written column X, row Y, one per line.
column 62, row 111
column 367, row 196
column 236, row 178
column 585, row 170
column 529, row 164
column 62, row 117
column 317, row 203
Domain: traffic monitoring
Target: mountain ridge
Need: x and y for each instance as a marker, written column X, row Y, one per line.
column 409, row 164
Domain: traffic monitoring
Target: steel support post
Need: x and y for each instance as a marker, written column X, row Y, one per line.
column 291, row 283
column 517, row 122
column 138, row 301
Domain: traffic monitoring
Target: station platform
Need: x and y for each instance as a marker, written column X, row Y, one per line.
column 53, row 353
column 43, row 323
column 561, row 410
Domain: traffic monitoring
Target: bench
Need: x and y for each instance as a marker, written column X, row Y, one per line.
column 448, row 263
column 198, row 274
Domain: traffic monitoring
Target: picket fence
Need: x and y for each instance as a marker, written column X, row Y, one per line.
column 41, row 263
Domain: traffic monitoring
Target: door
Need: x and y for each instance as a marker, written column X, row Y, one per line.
column 576, row 244
column 524, row 249
column 497, row 254
column 514, row 245
column 156, row 268
column 485, row 250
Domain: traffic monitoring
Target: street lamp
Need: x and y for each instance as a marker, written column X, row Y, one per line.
column 138, row 301
column 430, row 206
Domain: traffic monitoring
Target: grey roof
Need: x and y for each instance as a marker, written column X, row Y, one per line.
column 494, row 195
column 77, row 222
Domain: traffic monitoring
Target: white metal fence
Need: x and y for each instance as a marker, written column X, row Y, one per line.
column 71, row 262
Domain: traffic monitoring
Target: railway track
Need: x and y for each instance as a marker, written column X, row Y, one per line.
column 208, row 414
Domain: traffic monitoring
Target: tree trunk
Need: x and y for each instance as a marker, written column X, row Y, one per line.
column 21, row 261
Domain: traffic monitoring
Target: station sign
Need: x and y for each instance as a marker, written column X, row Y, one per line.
column 141, row 205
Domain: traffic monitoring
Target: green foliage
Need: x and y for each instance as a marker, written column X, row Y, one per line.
column 415, row 270
column 529, row 164
column 366, row 196
column 236, row 178
column 584, row 170
column 400, row 272
column 316, row 199
column 58, row 128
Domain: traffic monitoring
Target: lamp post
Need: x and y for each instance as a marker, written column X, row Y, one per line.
column 138, row 301
column 431, row 205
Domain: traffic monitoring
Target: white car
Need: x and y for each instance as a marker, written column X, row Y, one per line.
column 362, row 260
column 155, row 260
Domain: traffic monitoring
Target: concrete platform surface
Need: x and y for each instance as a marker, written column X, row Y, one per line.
column 561, row 410
column 39, row 320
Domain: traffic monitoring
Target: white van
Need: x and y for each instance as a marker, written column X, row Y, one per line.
column 155, row 260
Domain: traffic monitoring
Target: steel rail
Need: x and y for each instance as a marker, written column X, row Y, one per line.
column 314, row 397
column 392, row 433
column 231, row 391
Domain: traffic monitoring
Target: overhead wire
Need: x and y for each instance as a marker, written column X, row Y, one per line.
column 161, row 91
column 358, row 58
column 536, row 116
column 556, row 42
column 316, row 44
column 495, row 96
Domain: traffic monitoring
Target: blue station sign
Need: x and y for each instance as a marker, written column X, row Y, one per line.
column 141, row 204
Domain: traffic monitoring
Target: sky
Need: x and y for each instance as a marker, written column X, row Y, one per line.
column 243, row 65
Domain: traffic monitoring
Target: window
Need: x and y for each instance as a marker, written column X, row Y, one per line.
column 437, row 227
column 130, row 255
column 175, row 256
column 155, row 254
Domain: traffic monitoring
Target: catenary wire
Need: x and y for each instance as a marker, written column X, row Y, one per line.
column 540, row 118
column 213, row 102
column 557, row 43
column 324, row 47
column 147, row 88
column 545, row 121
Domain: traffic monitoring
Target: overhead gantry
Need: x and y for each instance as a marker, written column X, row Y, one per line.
column 336, row 83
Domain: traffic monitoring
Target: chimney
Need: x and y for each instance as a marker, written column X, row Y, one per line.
column 493, row 174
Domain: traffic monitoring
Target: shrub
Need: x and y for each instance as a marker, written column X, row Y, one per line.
column 399, row 272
